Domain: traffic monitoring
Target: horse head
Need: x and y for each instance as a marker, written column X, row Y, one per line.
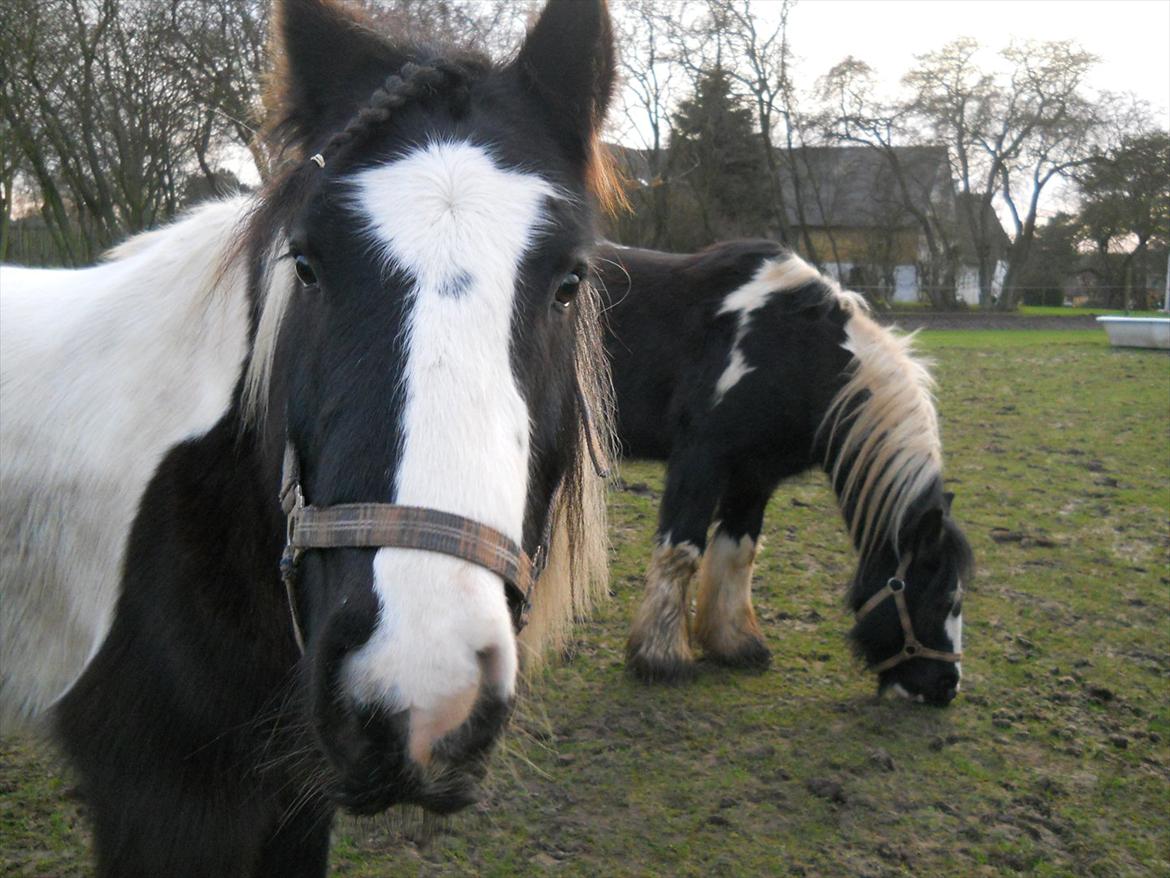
column 424, row 338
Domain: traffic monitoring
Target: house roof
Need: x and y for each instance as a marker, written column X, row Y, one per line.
column 855, row 187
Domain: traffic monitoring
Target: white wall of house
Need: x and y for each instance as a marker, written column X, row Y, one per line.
column 906, row 287
column 967, row 285
column 906, row 283
column 967, row 282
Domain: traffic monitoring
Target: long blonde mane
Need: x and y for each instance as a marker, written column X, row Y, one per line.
column 577, row 571
column 882, row 429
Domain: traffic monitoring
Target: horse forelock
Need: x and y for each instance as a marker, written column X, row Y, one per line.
column 881, row 430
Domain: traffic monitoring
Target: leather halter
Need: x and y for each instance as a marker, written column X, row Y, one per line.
column 390, row 525
column 912, row 647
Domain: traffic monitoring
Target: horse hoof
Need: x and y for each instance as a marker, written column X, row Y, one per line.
column 670, row 671
column 751, row 655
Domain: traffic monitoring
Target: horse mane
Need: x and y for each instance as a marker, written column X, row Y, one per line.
column 577, row 574
column 882, row 428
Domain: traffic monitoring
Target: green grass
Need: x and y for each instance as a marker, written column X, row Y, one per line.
column 1058, row 311
column 1054, row 761
column 1029, row 311
column 1007, row 339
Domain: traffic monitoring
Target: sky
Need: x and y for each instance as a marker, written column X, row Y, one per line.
column 1131, row 37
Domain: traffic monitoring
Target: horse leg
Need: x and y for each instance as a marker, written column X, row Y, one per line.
column 725, row 623
column 659, row 649
column 299, row 848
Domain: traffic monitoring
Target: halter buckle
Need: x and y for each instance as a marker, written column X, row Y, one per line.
column 294, row 507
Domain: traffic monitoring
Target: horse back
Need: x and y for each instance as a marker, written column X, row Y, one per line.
column 674, row 328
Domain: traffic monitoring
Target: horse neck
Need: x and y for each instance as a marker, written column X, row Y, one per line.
column 876, row 516
column 223, row 488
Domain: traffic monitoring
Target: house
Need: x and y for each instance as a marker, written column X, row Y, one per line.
column 863, row 215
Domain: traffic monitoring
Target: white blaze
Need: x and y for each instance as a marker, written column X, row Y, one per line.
column 954, row 629
column 459, row 227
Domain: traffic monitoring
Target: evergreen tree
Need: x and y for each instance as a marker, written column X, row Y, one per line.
column 719, row 155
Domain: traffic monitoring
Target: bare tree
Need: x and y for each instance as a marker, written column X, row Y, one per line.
column 218, row 53
column 112, row 105
column 853, row 114
column 651, row 77
column 9, row 168
column 490, row 26
column 1009, row 136
column 757, row 60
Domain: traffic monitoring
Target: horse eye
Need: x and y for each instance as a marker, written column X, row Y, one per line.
column 305, row 273
column 567, row 291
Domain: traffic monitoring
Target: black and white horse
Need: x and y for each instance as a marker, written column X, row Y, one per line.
column 741, row 366
column 404, row 309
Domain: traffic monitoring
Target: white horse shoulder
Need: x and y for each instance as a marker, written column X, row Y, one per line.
column 80, row 352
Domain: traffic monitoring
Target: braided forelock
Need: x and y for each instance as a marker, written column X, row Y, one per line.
column 285, row 192
column 414, row 82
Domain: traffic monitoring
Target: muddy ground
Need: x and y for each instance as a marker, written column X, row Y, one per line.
column 1055, row 759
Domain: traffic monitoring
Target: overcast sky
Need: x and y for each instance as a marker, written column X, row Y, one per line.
column 1131, row 37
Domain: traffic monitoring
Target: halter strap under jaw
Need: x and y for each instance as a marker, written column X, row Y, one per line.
column 912, row 647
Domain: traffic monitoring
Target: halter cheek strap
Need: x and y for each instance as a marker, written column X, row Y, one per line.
column 912, row 647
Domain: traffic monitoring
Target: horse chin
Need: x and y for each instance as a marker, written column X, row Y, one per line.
column 373, row 768
column 890, row 687
column 440, row 790
column 897, row 690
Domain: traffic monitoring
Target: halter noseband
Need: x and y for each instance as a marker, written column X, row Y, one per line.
column 911, row 646
column 390, row 525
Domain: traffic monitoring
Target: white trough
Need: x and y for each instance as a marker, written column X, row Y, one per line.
column 1137, row 332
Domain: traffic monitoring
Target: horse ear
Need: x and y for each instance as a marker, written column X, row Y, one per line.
column 326, row 63
column 568, row 61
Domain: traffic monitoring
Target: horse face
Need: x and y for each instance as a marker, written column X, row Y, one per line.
column 934, row 592
column 427, row 358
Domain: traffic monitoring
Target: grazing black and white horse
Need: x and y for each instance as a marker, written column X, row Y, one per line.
column 741, row 366
column 393, row 336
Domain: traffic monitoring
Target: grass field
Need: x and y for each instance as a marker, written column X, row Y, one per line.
column 1055, row 759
